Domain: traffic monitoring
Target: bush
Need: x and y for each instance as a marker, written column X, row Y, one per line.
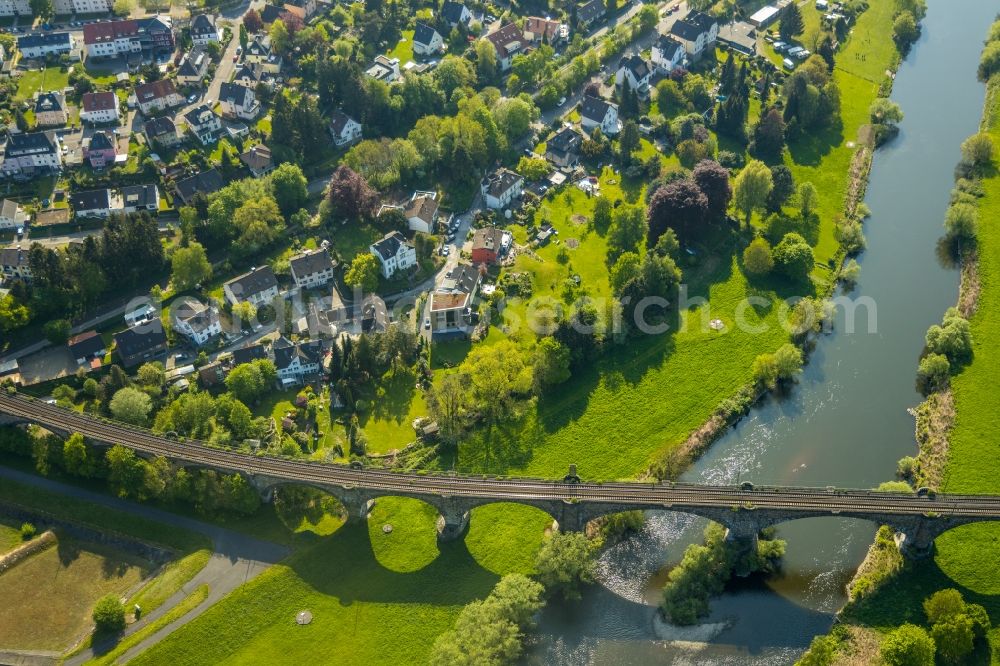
column 793, row 256
column 933, row 373
column 989, row 62
column 905, row 30
column 952, row 338
column 960, row 222
column 109, row 614
column 909, row 645
column 907, row 467
column 564, row 563
column 851, row 236
column 757, row 258
column 977, row 150
column 28, row 531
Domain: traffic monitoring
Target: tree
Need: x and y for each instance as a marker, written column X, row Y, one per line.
column 808, row 196
column 681, row 206
column 189, row 266
column 788, row 361
column 960, row 222
column 486, row 62
column 497, row 375
column 123, row 7
column 757, row 257
column 905, row 30
column 151, row 375
column 943, row 605
column 551, row 363
column 57, row 331
column 628, row 141
column 363, row 273
column 13, row 315
column 288, row 184
column 533, row 168
column 131, row 406
column 670, row 98
column 752, row 187
column 933, row 373
column 977, row 150
column 989, row 62
column 628, row 228
column 791, row 24
column 954, row 639
column 625, row 269
column 884, row 111
column 109, row 614
column 953, row 338
column 252, row 22
column 793, row 256
column 258, row 224
column 448, row 401
column 280, row 37
column 350, row 196
column 42, row 9
column 249, row 381
column 769, row 135
column 564, row 563
column 602, row 213
column 713, row 179
column 782, row 187
column 909, row 645
column 125, row 471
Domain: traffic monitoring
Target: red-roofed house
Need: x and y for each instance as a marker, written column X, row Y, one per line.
column 157, row 96
column 99, row 107
column 508, row 42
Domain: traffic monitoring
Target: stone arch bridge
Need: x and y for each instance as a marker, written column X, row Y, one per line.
column 744, row 510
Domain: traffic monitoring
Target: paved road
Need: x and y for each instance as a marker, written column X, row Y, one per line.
column 236, row 559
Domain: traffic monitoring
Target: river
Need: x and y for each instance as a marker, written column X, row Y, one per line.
column 846, row 423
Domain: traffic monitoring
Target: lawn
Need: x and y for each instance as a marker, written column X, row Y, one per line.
column 56, row 590
column 38, row 80
column 404, row 48
column 376, row 597
column 10, row 537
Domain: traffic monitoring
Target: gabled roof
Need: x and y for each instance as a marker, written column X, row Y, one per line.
column 257, row 158
column 423, row 34
column 101, row 141
column 195, row 314
column 29, row 143
column 10, row 210
column 564, row 141
column 159, row 89
column 308, row 353
column 14, row 257
column 235, row 94
column 500, row 181
column 203, row 24
column 48, row 102
column 339, row 121
column 271, row 13
column 590, row 11
column 200, row 115
column 692, row 25
column 85, row 344
column 308, row 263
column 668, row 45
column 205, row 182
column 388, row 246
column 99, row 101
column 247, row 72
column 140, row 196
column 193, row 63
column 44, row 39
column 260, row 46
column 160, row 126
column 452, row 11
column 463, row 279
column 635, row 64
column 594, row 108
column 542, row 26
column 248, row 353
column 91, row 200
column 133, row 341
column 424, row 207
column 96, row 33
column 504, row 39
column 487, row 238
column 256, row 281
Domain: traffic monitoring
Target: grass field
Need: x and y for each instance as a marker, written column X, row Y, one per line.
column 376, row 598
column 39, row 80
column 56, row 590
column 10, row 537
column 403, row 49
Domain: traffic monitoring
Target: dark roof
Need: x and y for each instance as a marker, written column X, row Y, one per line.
column 505, row 36
column 159, row 126
column 249, row 353
column 692, row 25
column 637, row 65
column 85, row 344
column 308, row 263
column 668, row 44
column 101, row 141
column 44, row 39
column 500, row 181
column 203, row 24
column 594, row 108
column 424, row 207
column 338, row 121
column 141, row 339
column 49, row 101
column 590, row 11
column 235, row 94
column 565, row 140
column 99, row 101
column 271, row 13
column 90, row 200
column 388, row 246
column 260, row 46
column 257, row 157
column 190, row 64
column 140, row 196
column 701, row 19
column 199, row 115
column 13, row 256
column 423, row 34
column 145, row 92
column 465, row 278
column 307, row 353
column 254, row 282
column 205, row 182
column 196, row 314
column 452, row 11
column 247, row 71
column 29, row 143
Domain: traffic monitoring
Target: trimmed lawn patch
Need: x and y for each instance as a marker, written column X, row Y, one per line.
column 404, row 48
column 40, row 80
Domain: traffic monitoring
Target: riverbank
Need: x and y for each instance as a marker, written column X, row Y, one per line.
column 957, row 431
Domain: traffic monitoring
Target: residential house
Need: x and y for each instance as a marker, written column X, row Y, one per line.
column 196, row 321
column 204, row 30
column 455, row 14
column 394, row 253
column 157, row 96
column 764, row 16
column 66, row 7
column 486, row 245
column 203, row 183
column 697, row 31
column 238, row 101
column 211, row 374
column 258, row 160
column 596, row 112
column 384, row 69
column 258, row 287
column 451, row 303
column 193, row 67
column 95, row 203
column 295, row 362
column 14, row 264
column 141, row 343
column 12, row 215
column 374, row 315
column 344, row 129
column 151, row 35
column 311, row 269
column 304, row 9
column 421, row 211
column 247, row 75
column 50, row 110
column 87, row 347
column 271, row 13
column 30, row 154
column 508, row 42
column 259, row 53
column 544, row 31
column 139, row 198
column 588, row 13
column 563, row 148
column 501, row 187
column 100, row 150
column 427, row 40
column 99, row 107
column 162, row 132
column 50, row 217
column 634, row 71
column 15, row 8
column 204, row 124
column 667, row 54
column 248, row 354
column 739, row 36
column 44, row 44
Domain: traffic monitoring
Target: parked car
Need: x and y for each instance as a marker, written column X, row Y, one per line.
column 427, row 323
column 562, row 100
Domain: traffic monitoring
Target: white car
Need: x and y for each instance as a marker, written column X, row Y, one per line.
column 562, row 100
column 427, row 323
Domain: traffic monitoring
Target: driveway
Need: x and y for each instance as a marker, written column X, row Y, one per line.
column 237, row 558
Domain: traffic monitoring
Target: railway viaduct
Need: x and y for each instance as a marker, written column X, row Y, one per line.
column 743, row 510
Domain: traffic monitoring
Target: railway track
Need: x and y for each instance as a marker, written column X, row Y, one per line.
column 807, row 501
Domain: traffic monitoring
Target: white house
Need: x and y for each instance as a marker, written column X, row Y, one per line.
column 394, row 253
column 296, row 361
column 501, row 187
column 139, row 198
column 99, row 107
column 426, row 40
column 344, row 129
column 196, row 321
column 44, row 44
column 311, row 268
column 455, row 14
column 157, row 96
column 508, row 42
column 667, row 54
column 258, row 287
column 697, row 31
column 634, row 71
column 95, row 203
column 204, row 30
column 421, row 211
column 596, row 112
column 204, row 124
column 452, row 301
column 384, row 69
column 14, row 264
column 31, row 153
column 238, row 101
column 12, row 215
